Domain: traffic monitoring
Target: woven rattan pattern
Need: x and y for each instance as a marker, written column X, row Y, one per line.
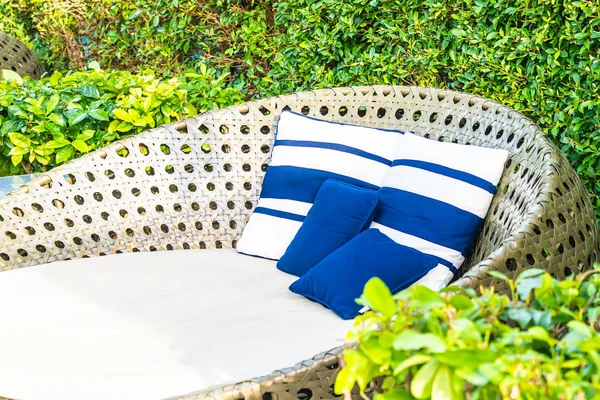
column 194, row 184
column 15, row 56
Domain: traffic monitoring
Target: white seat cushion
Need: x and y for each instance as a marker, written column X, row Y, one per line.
column 153, row 325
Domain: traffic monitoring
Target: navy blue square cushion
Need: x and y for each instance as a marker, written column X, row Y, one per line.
column 338, row 280
column 340, row 212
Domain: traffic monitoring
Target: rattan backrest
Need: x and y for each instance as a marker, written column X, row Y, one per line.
column 194, row 184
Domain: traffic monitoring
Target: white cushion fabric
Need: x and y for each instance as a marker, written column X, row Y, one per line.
column 153, row 325
column 306, row 152
column 435, row 197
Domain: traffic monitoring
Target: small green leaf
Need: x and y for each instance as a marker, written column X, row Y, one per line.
column 12, row 76
column 394, row 394
column 88, row 91
column 52, row 103
column 53, row 128
column 443, row 386
column 18, row 151
column 99, row 115
column 411, row 361
column 422, row 384
column 58, row 119
column 375, row 352
column 57, row 144
column 498, row 275
column 379, row 297
column 466, row 329
column 521, row 316
column 85, row 135
column 529, row 273
column 426, row 297
column 413, row 340
column 122, row 115
column 64, row 154
column 80, row 145
column 461, row 302
column 16, row 160
column 75, row 116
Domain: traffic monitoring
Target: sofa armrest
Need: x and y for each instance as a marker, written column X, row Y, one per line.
column 161, row 190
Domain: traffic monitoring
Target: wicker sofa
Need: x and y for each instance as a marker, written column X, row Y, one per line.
column 16, row 57
column 205, row 174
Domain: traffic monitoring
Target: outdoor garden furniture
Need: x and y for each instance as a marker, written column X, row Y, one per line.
column 15, row 56
column 193, row 185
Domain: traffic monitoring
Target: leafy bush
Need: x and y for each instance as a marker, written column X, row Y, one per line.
column 540, row 341
column 48, row 122
column 166, row 36
column 540, row 57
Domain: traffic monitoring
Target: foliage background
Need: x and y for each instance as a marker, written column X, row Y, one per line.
column 538, row 56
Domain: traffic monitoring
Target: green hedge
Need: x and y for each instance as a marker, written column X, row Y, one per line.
column 48, row 122
column 538, row 56
column 540, row 341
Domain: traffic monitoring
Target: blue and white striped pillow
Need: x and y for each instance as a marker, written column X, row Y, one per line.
column 435, row 198
column 306, row 153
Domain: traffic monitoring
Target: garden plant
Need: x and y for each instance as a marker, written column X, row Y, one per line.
column 538, row 341
column 539, row 57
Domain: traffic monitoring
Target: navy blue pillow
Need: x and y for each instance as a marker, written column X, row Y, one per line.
column 338, row 280
column 339, row 213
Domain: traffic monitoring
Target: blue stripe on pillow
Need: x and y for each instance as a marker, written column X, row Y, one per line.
column 427, row 218
column 334, row 146
column 301, row 184
column 445, row 263
column 449, row 172
column 279, row 214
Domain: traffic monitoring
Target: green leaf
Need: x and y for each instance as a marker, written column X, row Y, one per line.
column 85, row 135
column 94, row 65
column 529, row 273
column 466, row 329
column 12, row 76
column 64, row 154
column 412, row 340
column 461, row 302
column 16, row 160
column 52, row 103
column 498, row 275
column 472, row 376
column 75, row 116
column 411, row 361
column 467, row 358
column 80, row 145
column 394, row 394
column 379, row 297
column 53, row 129
column 18, row 151
column 344, row 382
column 521, row 316
column 443, row 386
column 57, row 144
column 58, row 119
column 19, row 139
column 122, row 115
column 422, row 384
column 17, row 112
column 426, row 297
column 375, row 352
column 88, row 91
column 580, row 328
column 123, row 126
column 99, row 115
